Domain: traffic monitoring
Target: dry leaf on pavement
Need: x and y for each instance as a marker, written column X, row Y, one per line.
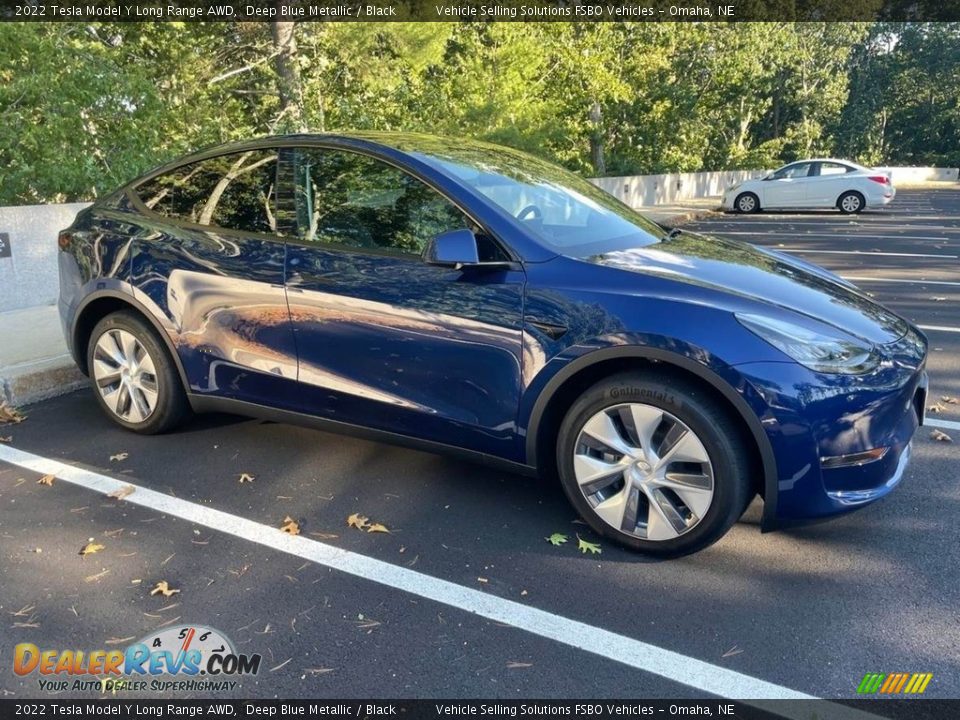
column 163, row 587
column 940, row 436
column 46, row 480
column 358, row 521
column 119, row 457
column 121, row 493
column 290, row 526
column 246, row 478
column 556, row 539
column 6, row 439
column 90, row 548
column 378, row 527
column 10, row 414
column 950, row 400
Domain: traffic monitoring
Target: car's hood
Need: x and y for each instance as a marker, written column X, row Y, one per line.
column 761, row 275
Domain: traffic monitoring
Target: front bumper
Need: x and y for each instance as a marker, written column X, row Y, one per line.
column 815, row 423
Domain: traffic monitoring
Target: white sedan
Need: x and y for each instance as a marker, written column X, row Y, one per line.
column 819, row 183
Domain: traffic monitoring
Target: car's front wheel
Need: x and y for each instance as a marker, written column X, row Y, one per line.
column 747, row 203
column 134, row 378
column 655, row 463
column 851, row 202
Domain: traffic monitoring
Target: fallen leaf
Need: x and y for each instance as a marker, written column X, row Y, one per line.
column 10, row 414
column 950, row 400
column 585, row 547
column 163, row 587
column 482, row 580
column 7, row 439
column 121, row 493
column 358, row 521
column 378, row 527
column 936, row 408
column 246, row 478
column 290, row 526
column 940, row 436
column 119, row 457
column 90, row 548
column 557, row 539
column 46, row 480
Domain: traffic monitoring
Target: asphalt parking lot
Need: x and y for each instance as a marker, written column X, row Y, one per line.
column 808, row 610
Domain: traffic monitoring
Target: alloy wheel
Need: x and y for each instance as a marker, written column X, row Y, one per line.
column 125, row 375
column 644, row 471
column 850, row 203
column 746, row 203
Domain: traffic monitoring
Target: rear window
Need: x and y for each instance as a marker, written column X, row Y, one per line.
column 236, row 191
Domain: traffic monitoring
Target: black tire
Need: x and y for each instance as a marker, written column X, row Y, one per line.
column 851, row 203
column 749, row 201
column 172, row 407
column 717, row 428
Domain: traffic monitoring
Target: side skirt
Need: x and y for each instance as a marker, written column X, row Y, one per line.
column 205, row 404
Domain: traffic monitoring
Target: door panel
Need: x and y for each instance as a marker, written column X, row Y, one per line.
column 385, row 340
column 395, row 344
column 788, row 186
column 220, row 288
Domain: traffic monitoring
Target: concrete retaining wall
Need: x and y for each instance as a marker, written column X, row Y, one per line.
column 921, row 174
column 28, row 265
column 646, row 190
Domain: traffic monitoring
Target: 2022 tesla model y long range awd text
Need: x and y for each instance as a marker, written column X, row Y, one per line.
column 465, row 297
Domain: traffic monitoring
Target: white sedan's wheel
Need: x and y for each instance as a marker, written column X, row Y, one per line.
column 747, row 203
column 850, row 202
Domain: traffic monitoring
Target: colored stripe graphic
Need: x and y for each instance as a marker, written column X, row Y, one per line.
column 894, row 683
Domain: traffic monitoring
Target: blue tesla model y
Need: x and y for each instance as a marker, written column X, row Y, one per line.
column 469, row 298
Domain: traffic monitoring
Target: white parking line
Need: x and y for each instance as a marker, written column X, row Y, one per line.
column 813, row 251
column 703, row 676
column 939, row 328
column 945, row 424
column 794, row 236
column 911, row 281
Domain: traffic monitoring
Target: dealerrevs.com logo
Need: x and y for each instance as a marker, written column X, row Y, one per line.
column 176, row 659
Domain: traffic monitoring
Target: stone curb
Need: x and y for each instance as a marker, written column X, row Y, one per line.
column 39, row 380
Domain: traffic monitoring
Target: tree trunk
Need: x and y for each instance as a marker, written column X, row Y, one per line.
column 289, row 88
column 596, row 140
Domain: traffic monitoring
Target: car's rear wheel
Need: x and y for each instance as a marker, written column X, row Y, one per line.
column 747, row 203
column 133, row 376
column 654, row 463
column 851, row 202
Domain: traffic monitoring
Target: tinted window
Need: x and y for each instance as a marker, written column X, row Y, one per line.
column 350, row 199
column 231, row 191
column 792, row 171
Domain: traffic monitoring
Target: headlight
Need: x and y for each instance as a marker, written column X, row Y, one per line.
column 816, row 350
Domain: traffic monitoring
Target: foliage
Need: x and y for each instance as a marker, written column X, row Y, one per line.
column 88, row 106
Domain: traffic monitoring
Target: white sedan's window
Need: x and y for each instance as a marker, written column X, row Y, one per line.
column 834, row 169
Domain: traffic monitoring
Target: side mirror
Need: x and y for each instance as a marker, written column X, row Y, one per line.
column 454, row 248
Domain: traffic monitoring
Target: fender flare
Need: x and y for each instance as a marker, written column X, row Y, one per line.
column 752, row 422
column 140, row 307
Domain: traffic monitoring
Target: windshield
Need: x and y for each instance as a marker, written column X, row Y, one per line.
column 563, row 211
